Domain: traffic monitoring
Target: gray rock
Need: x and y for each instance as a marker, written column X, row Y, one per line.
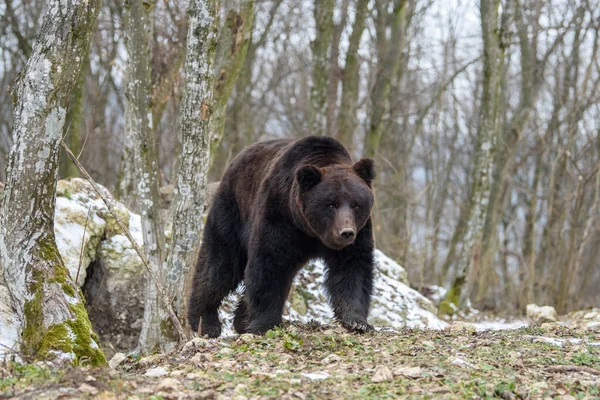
column 116, row 360
column 538, row 315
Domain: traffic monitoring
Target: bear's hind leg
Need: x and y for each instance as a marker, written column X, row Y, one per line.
column 218, row 273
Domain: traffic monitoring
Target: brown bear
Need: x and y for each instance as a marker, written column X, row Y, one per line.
column 281, row 203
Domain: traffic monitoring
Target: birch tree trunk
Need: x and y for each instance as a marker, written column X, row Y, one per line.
column 323, row 11
column 487, row 132
column 49, row 305
column 231, row 53
column 138, row 125
column 196, row 110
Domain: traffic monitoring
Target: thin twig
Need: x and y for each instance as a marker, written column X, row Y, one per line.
column 87, row 217
column 159, row 287
column 573, row 368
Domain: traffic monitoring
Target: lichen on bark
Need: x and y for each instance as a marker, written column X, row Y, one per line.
column 195, row 156
column 48, row 305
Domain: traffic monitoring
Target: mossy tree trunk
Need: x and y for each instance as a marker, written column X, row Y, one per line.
column 196, row 114
column 231, row 51
column 390, row 47
column 347, row 121
column 334, row 70
column 487, row 132
column 49, row 305
column 317, row 119
column 532, row 79
column 75, row 122
column 139, row 132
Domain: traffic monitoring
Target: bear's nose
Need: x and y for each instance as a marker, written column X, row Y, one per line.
column 347, row 234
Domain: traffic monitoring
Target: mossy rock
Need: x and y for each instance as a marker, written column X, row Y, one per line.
column 112, row 227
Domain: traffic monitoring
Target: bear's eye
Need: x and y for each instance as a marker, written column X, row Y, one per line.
column 356, row 207
column 331, row 205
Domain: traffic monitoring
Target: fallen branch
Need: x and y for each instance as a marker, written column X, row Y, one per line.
column 159, row 287
column 573, row 368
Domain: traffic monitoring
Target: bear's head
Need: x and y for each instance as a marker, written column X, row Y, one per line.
column 336, row 200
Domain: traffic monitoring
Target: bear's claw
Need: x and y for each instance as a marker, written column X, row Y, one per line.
column 358, row 327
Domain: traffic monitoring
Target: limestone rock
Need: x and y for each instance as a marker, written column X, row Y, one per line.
column 462, row 327
column 538, row 315
column 116, row 360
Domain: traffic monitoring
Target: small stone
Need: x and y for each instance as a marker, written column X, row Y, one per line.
column 538, row 315
column 167, row 385
column 156, row 372
column 147, row 361
column 590, row 315
column 90, row 378
column 382, row 374
column 197, row 359
column 550, row 326
column 331, row 359
column 116, row 360
column 84, row 387
column 428, row 344
column 194, row 344
column 193, row 376
column 206, row 395
column 462, row 327
column 246, row 337
column 409, row 372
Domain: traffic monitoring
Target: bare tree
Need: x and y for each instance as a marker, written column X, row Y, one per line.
column 323, row 13
column 196, row 113
column 232, row 47
column 49, row 305
column 138, row 131
column 493, row 60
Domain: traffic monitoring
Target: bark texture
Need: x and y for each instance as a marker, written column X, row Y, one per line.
column 138, row 126
column 49, row 306
column 196, row 110
column 487, row 132
column 347, row 121
column 231, row 52
column 389, row 58
column 323, row 11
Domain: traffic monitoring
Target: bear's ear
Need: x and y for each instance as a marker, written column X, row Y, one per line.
column 308, row 176
column 365, row 168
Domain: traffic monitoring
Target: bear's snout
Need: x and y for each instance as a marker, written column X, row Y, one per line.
column 347, row 234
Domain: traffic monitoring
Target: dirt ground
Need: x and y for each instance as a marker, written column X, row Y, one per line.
column 323, row 362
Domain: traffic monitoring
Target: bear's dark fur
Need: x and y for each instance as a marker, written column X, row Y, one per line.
column 279, row 204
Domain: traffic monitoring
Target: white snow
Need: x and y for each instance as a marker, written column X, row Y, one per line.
column 316, row 376
column 500, row 324
column 394, row 304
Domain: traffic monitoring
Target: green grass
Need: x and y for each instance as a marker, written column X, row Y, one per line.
column 508, row 364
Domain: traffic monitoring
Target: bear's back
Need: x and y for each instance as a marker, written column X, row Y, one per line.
column 269, row 167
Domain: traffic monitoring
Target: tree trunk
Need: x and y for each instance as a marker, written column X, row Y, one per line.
column 196, row 110
column 49, row 305
column 389, row 57
column 334, row 70
column 484, row 154
column 347, row 121
column 231, row 53
column 75, row 122
column 138, row 125
column 323, row 12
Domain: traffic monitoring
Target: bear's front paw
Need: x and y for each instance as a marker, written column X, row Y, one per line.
column 357, row 326
column 210, row 326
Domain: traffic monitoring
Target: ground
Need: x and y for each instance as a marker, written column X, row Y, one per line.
column 324, row 362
